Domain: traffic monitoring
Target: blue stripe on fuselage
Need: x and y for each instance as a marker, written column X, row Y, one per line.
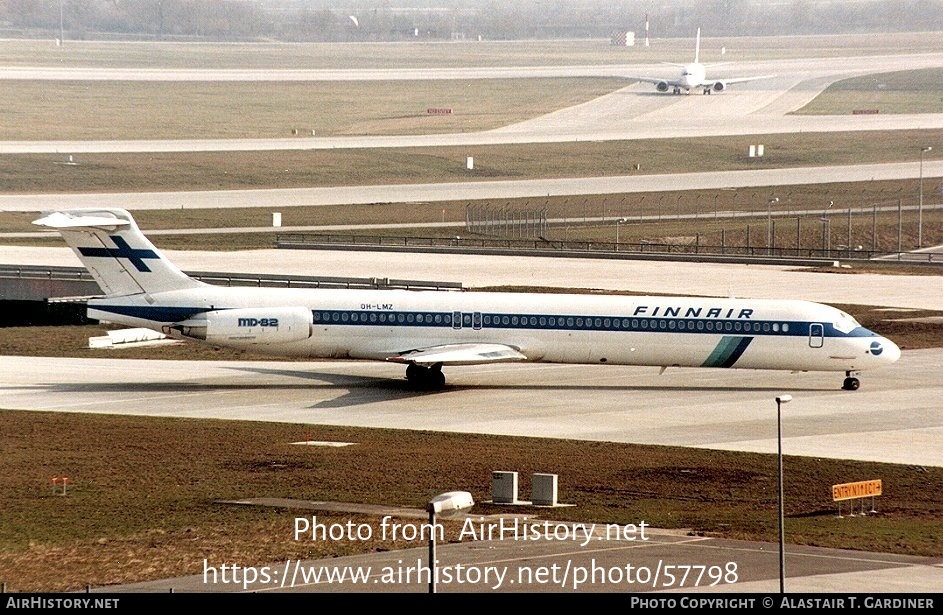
column 153, row 313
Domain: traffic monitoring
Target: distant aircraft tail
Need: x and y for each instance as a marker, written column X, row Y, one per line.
column 697, row 46
column 115, row 251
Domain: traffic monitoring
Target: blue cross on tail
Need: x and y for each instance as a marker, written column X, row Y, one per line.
column 135, row 255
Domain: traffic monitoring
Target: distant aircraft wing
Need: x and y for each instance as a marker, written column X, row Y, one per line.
column 459, row 354
column 656, row 80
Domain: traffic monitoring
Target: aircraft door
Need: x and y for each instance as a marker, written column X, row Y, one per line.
column 476, row 320
column 816, row 335
column 456, row 320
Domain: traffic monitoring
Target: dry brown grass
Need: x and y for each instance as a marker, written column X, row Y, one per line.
column 77, row 110
column 40, row 173
column 146, row 494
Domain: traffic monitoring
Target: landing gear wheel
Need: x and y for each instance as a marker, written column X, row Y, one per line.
column 425, row 378
column 851, row 384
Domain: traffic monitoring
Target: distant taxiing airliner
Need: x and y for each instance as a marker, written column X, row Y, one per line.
column 427, row 330
column 694, row 76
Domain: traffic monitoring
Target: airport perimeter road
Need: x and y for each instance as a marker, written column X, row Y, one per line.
column 894, row 417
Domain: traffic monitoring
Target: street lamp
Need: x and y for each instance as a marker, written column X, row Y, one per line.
column 769, row 224
column 445, row 504
column 780, row 400
column 923, row 150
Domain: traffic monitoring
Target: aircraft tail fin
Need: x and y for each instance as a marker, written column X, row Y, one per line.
column 115, row 251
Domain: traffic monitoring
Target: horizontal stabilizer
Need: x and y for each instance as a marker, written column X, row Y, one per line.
column 460, row 354
column 65, row 220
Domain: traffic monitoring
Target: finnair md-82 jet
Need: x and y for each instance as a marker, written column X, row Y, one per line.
column 694, row 76
column 427, row 330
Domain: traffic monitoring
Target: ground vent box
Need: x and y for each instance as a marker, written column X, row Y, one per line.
column 504, row 487
column 544, row 488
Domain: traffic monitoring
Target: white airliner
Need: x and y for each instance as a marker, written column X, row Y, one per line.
column 694, row 76
column 427, row 330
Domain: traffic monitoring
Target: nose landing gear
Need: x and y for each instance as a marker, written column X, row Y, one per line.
column 851, row 383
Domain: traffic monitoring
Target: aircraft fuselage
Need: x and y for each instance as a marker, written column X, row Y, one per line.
column 563, row 328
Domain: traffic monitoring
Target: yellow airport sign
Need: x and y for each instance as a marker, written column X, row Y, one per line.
column 861, row 489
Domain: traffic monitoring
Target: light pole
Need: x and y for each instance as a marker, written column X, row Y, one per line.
column 780, row 400
column 769, row 224
column 445, row 504
column 923, row 150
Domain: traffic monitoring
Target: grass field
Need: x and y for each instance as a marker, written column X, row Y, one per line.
column 898, row 92
column 39, row 173
column 78, row 110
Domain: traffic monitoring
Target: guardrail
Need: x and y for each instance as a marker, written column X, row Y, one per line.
column 602, row 249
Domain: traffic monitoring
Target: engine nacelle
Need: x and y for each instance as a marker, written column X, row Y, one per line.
column 246, row 326
column 661, row 86
column 720, row 86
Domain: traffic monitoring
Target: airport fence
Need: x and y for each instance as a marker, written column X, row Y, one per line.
column 544, row 247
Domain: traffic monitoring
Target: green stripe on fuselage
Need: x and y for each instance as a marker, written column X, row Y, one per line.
column 727, row 351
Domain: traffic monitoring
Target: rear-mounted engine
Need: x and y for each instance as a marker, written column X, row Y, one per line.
column 246, row 325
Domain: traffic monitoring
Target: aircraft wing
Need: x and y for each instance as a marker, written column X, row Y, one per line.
column 459, row 354
column 656, row 80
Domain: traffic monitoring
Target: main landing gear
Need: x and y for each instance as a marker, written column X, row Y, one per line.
column 425, row 378
column 851, row 383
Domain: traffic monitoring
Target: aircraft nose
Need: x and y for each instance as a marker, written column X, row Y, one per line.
column 884, row 350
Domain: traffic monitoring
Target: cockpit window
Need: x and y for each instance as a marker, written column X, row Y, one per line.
column 845, row 323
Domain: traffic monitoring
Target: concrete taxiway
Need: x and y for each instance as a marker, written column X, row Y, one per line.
column 894, row 417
